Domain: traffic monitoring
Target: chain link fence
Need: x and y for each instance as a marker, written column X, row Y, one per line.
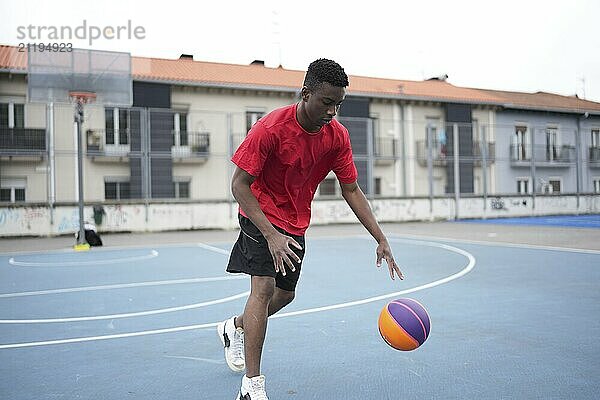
column 157, row 155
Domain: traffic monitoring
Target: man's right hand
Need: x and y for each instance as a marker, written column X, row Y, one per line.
column 281, row 251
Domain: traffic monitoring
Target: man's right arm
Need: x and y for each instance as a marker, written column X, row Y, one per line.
column 279, row 244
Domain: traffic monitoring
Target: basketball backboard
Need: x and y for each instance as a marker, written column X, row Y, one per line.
column 54, row 75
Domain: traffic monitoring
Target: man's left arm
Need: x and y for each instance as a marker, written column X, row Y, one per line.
column 357, row 201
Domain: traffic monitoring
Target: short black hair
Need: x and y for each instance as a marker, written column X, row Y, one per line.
column 324, row 70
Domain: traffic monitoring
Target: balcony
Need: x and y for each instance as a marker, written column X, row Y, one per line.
column 490, row 156
column 545, row 155
column 384, row 150
column 441, row 158
column 116, row 150
column 594, row 156
column 190, row 147
column 439, row 153
column 24, row 143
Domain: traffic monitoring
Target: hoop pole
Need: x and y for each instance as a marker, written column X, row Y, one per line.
column 81, row 242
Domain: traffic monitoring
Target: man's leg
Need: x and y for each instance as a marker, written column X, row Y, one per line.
column 280, row 299
column 254, row 321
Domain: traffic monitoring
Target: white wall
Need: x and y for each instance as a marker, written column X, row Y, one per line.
column 36, row 221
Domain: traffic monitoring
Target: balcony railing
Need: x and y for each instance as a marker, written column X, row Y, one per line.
column 548, row 155
column 384, row 150
column 100, row 143
column 384, row 147
column 490, row 156
column 440, row 156
column 190, row 144
column 438, row 153
column 22, row 141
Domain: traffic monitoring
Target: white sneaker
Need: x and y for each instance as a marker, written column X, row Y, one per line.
column 253, row 389
column 233, row 342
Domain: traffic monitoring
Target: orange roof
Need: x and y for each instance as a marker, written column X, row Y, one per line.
column 200, row 73
column 545, row 100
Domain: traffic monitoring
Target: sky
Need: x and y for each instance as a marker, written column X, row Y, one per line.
column 526, row 45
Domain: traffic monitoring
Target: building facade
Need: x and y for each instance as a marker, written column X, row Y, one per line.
column 410, row 139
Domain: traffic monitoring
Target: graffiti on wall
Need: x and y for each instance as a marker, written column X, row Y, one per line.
column 498, row 203
column 22, row 218
column 69, row 222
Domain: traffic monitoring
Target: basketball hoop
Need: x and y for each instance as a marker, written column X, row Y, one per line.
column 79, row 77
column 82, row 97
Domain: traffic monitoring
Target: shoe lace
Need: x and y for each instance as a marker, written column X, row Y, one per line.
column 258, row 389
column 238, row 345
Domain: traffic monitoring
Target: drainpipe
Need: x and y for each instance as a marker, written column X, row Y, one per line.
column 532, row 170
column 398, row 120
column 51, row 160
column 455, row 138
column 578, row 158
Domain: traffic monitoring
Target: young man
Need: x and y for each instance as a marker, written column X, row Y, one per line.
column 285, row 156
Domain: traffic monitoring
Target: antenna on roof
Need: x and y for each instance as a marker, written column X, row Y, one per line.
column 277, row 34
column 582, row 80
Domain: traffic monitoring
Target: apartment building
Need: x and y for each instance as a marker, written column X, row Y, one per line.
column 410, row 138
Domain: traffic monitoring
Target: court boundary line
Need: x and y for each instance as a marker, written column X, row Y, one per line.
column 466, row 269
column 500, row 244
column 120, row 286
column 126, row 315
column 13, row 262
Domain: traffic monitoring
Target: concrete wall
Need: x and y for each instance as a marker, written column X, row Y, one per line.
column 41, row 221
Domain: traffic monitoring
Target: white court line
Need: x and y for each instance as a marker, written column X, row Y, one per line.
column 470, row 265
column 125, row 315
column 459, row 274
column 499, row 244
column 121, row 286
column 213, row 248
column 16, row 263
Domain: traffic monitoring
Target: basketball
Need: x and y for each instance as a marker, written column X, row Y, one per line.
column 404, row 324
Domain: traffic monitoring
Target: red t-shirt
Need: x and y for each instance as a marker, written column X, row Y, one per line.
column 288, row 163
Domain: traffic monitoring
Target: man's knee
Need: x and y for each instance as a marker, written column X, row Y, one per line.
column 263, row 288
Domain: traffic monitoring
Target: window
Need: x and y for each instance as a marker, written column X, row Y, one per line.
column 377, row 186
column 383, row 145
column 375, row 125
column 13, row 190
column 596, row 185
column 251, row 117
column 117, row 125
column 3, row 115
column 180, row 131
column 554, row 186
column 595, row 147
column 116, row 190
column 328, row 187
column 522, row 185
column 182, row 188
column 551, row 143
column 12, row 115
column 520, row 150
column 438, row 138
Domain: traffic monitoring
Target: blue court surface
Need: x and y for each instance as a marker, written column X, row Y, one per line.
column 507, row 322
column 574, row 221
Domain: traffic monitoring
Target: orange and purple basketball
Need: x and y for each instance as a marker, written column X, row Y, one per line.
column 404, row 324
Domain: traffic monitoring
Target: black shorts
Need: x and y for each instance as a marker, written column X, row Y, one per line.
column 251, row 255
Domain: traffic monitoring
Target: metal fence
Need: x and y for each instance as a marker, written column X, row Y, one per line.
column 184, row 156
